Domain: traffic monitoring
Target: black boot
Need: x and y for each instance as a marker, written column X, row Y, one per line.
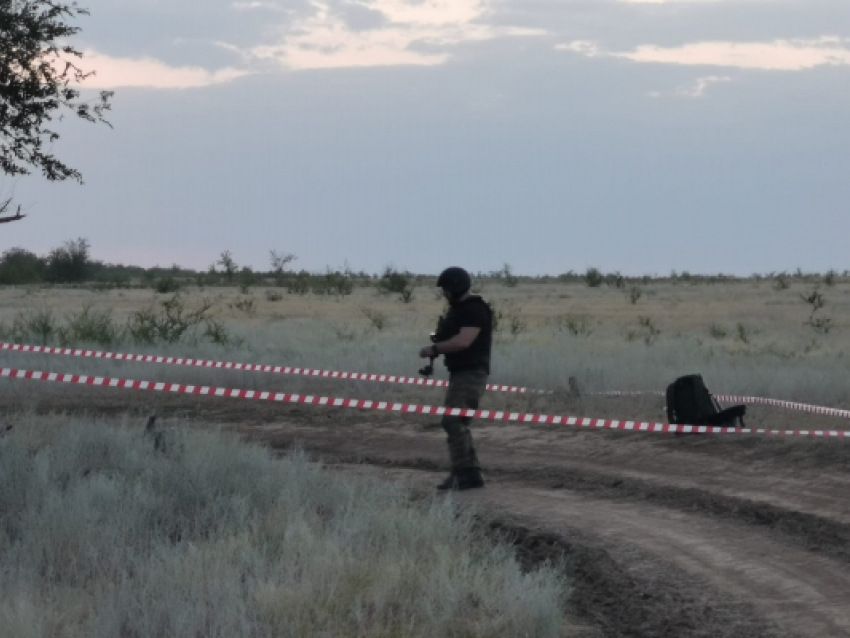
column 462, row 480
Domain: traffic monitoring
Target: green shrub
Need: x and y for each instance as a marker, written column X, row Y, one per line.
column 70, row 263
column 593, row 278
column 38, row 324
column 90, row 326
column 334, row 282
column 19, row 266
column 298, row 283
column 166, row 285
column 393, row 281
column 170, row 324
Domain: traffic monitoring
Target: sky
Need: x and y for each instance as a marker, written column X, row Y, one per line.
column 643, row 136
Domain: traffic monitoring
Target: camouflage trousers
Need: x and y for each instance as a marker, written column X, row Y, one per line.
column 466, row 388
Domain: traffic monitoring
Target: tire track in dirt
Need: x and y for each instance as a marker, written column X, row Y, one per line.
column 709, row 573
column 755, row 552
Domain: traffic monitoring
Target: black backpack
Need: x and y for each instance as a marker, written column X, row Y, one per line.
column 690, row 403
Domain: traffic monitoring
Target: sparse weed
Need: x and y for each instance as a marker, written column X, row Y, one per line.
column 508, row 277
column 247, row 305
column 718, row 331
column 378, row 319
column 344, row 333
column 517, row 325
column 216, row 332
column 820, row 324
column 576, row 325
column 829, row 277
column 651, row 331
column 615, row 280
column 743, row 334
column 781, row 282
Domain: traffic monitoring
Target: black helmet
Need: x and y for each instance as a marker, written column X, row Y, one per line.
column 456, row 281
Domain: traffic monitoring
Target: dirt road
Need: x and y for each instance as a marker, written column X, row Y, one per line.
column 664, row 536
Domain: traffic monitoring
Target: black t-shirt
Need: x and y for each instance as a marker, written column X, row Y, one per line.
column 470, row 313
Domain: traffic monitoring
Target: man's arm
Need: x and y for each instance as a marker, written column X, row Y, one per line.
column 461, row 341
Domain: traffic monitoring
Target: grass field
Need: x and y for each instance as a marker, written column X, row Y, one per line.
column 745, row 337
column 102, row 535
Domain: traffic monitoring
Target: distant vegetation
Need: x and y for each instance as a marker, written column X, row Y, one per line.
column 72, row 263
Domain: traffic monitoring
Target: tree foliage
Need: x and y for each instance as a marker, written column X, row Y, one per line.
column 38, row 78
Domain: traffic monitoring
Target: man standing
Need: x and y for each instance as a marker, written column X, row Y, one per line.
column 464, row 336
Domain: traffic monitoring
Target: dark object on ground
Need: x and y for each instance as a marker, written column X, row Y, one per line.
column 164, row 440
column 466, row 480
column 690, row 403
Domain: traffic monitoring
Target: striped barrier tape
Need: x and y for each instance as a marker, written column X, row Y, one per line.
column 733, row 398
column 364, row 376
column 249, row 367
column 279, row 397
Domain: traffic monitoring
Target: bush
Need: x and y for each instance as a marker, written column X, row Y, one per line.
column 19, row 266
column 166, row 285
column 38, row 324
column 90, row 326
column 246, row 305
column 70, row 263
column 393, row 281
column 334, row 282
column 273, row 295
column 171, row 324
column 593, row 278
column 298, row 283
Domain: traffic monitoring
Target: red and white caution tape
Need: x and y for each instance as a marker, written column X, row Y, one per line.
column 364, row 376
column 248, row 367
column 788, row 405
column 279, row 397
column 733, row 398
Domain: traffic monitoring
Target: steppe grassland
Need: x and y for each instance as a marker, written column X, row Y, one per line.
column 103, row 535
column 745, row 337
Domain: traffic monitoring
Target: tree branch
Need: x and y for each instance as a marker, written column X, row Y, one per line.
column 17, row 216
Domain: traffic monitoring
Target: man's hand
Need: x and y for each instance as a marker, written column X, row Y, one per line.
column 460, row 341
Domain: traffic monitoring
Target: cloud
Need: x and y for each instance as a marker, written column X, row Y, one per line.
column 255, row 6
column 148, row 72
column 699, row 87
column 779, row 55
column 330, row 39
